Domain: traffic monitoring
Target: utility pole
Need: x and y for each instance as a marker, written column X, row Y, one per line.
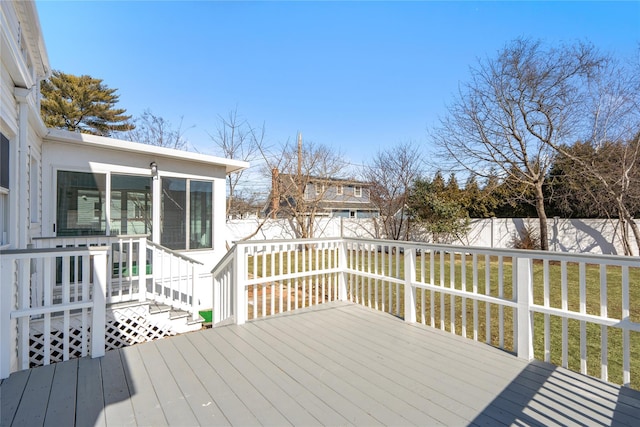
column 300, row 154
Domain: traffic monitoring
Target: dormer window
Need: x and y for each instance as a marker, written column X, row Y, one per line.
column 340, row 190
column 319, row 189
column 357, row 191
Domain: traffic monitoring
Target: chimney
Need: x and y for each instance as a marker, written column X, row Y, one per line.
column 275, row 192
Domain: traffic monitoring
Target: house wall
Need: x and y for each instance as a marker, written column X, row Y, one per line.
column 24, row 65
column 331, row 193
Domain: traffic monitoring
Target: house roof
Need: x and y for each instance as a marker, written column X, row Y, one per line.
column 312, row 179
column 58, row 135
column 344, row 205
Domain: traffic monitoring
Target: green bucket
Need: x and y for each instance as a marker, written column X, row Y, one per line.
column 207, row 315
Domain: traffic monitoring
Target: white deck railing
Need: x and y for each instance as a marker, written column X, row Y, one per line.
column 578, row 311
column 81, row 293
column 140, row 270
column 174, row 279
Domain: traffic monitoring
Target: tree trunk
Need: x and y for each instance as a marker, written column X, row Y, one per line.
column 626, row 218
column 542, row 216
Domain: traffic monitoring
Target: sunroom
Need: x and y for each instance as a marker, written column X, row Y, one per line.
column 94, row 186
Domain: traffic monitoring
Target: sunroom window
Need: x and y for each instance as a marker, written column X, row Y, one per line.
column 131, row 204
column 186, row 221
column 81, row 204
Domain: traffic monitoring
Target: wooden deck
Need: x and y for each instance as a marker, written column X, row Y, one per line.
column 338, row 364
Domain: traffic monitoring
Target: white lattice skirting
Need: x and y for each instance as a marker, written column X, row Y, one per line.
column 124, row 326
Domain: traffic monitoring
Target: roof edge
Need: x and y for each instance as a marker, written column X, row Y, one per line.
column 68, row 137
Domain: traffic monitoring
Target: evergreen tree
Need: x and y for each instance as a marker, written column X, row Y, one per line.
column 473, row 200
column 431, row 207
column 82, row 104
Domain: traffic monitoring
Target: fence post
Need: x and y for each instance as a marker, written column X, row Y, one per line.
column 342, row 267
column 239, row 270
column 98, row 312
column 409, row 289
column 524, row 296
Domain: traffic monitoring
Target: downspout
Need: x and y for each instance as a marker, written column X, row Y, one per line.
column 23, row 221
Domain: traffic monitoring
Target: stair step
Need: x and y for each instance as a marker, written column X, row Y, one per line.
column 178, row 314
column 155, row 308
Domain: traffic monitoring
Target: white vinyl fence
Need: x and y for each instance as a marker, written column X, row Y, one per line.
column 596, row 236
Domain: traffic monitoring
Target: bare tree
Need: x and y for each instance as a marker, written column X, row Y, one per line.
column 606, row 167
column 392, row 172
column 155, row 130
column 514, row 110
column 302, row 177
column 237, row 139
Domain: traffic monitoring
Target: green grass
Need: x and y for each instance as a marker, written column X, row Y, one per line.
column 391, row 298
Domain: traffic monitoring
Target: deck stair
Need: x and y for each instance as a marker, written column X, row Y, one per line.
column 127, row 323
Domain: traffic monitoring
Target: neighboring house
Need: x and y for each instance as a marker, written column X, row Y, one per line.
column 333, row 197
column 59, row 183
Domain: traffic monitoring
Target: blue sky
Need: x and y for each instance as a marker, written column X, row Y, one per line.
column 356, row 76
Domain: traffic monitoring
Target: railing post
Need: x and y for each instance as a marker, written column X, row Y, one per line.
column 409, row 289
column 216, row 303
column 142, row 269
column 98, row 318
column 342, row 275
column 7, row 344
column 524, row 278
column 239, row 272
column 195, row 304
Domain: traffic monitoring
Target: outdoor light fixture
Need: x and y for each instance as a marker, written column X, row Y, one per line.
column 154, row 170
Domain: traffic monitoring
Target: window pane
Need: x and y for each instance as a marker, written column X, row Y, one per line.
column 131, row 204
column 4, row 218
column 200, row 214
column 4, row 162
column 173, row 213
column 81, row 199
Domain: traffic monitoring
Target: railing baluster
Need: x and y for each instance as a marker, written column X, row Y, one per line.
column 626, row 345
column 442, row 294
column 452, row 298
column 565, row 307
column 547, row 324
column 583, row 309
column 501, row 295
column 280, row 284
column 432, row 278
column 463, row 280
column 475, row 292
column 604, row 340
column 487, row 291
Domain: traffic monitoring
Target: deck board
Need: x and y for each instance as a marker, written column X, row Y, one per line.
column 235, row 411
column 61, row 409
column 172, row 399
column 146, row 407
column 90, row 393
column 117, row 403
column 338, row 364
column 10, row 394
column 32, row 410
column 197, row 397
